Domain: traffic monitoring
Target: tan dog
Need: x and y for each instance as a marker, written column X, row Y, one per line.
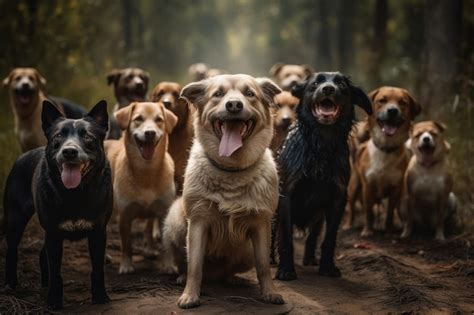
column 200, row 71
column 143, row 171
column 181, row 138
column 26, row 93
column 231, row 185
column 428, row 182
column 284, row 115
column 382, row 161
column 286, row 76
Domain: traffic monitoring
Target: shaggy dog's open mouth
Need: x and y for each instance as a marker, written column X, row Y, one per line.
column 231, row 134
column 326, row 110
column 24, row 96
column 147, row 148
column 136, row 94
column 427, row 154
column 72, row 173
column 389, row 127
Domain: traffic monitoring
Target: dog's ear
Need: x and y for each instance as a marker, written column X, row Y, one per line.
column 170, row 120
column 269, row 89
column 123, row 116
column 448, row 146
column 40, row 78
column 6, row 81
column 49, row 114
column 99, row 115
column 113, row 76
column 298, row 89
column 276, row 68
column 194, row 92
column 360, row 99
column 415, row 107
column 307, row 70
column 146, row 77
column 441, row 126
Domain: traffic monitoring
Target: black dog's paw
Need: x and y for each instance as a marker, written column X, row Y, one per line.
column 329, row 271
column 100, row 298
column 310, row 261
column 285, row 275
column 55, row 304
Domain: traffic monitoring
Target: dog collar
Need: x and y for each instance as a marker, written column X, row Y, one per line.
column 225, row 168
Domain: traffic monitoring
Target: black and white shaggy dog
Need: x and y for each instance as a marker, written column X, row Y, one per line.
column 314, row 167
column 69, row 184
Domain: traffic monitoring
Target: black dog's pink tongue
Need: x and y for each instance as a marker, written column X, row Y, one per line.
column 71, row 175
column 147, row 149
column 231, row 137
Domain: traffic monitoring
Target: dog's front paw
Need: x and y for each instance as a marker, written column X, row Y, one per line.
column 100, row 297
column 310, row 261
column 273, row 298
column 150, row 252
column 284, row 274
column 181, row 280
column 188, row 301
column 329, row 271
column 367, row 232
column 126, row 267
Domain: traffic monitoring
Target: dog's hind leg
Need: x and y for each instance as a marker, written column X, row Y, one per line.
column 44, row 267
column 125, row 226
column 15, row 226
column 353, row 194
column 311, row 243
column 393, row 203
column 97, row 242
column 286, row 269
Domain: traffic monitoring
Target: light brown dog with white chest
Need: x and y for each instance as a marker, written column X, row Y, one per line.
column 143, row 170
column 381, row 162
column 428, row 183
column 231, row 185
column 284, row 115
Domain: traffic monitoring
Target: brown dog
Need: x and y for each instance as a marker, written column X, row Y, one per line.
column 382, row 161
column 286, row 76
column 143, row 171
column 231, row 185
column 181, row 138
column 284, row 116
column 26, row 97
column 428, row 183
column 130, row 85
column 200, row 71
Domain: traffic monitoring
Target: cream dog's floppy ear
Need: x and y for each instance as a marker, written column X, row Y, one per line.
column 193, row 92
column 269, row 89
column 124, row 115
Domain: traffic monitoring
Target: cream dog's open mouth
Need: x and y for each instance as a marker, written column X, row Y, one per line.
column 231, row 134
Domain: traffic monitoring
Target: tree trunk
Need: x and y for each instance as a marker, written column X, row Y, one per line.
column 345, row 34
column 379, row 40
column 323, row 57
column 127, row 26
column 443, row 28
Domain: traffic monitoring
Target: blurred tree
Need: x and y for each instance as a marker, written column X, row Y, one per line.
column 379, row 40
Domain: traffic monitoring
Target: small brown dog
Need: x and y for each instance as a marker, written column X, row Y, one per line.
column 286, row 76
column 25, row 87
column 181, row 138
column 284, row 115
column 200, row 71
column 231, row 185
column 427, row 198
column 143, row 171
column 381, row 162
column 130, row 85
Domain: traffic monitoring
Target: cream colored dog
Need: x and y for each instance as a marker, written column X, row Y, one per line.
column 428, row 184
column 230, row 187
column 143, row 171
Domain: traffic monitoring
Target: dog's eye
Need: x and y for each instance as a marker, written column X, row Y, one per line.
column 138, row 119
column 158, row 119
column 382, row 101
column 87, row 138
column 58, row 136
column 175, row 94
column 402, row 103
column 249, row 93
column 218, row 93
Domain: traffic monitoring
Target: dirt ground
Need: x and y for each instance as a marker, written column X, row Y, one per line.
column 380, row 275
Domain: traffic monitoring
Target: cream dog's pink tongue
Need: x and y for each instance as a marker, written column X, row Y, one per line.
column 71, row 175
column 231, row 137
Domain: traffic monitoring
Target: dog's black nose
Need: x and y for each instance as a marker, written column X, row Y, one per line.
column 285, row 121
column 392, row 112
column 167, row 104
column 70, row 153
column 150, row 134
column 234, row 106
column 426, row 140
column 25, row 85
column 328, row 89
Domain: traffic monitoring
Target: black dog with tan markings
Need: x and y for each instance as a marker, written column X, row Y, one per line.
column 69, row 184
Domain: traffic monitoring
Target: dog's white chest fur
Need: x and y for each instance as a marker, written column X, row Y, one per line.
column 76, row 225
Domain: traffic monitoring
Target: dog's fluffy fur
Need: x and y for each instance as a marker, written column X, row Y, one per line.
column 288, row 75
column 143, row 171
column 284, row 115
column 428, row 184
column 228, row 200
column 382, row 161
